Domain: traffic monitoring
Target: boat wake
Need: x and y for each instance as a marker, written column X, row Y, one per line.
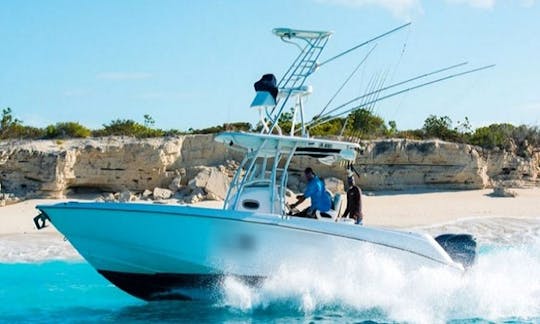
column 493, row 230
column 503, row 284
column 30, row 248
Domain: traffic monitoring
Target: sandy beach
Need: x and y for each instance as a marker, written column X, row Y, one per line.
column 418, row 209
column 398, row 209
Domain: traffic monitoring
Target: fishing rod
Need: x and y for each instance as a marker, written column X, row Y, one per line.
column 394, row 85
column 372, row 90
column 382, row 80
column 371, row 99
column 364, row 43
column 348, row 79
column 313, row 124
column 350, row 167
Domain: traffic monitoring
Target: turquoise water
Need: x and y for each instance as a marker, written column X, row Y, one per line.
column 54, row 292
column 504, row 286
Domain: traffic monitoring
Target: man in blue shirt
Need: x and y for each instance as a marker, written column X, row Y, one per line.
column 320, row 199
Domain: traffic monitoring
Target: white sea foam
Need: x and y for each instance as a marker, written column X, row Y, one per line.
column 504, row 283
column 493, row 230
column 19, row 248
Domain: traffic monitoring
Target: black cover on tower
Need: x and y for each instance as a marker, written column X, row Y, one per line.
column 267, row 83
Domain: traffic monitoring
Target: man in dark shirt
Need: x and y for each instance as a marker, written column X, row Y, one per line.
column 354, row 201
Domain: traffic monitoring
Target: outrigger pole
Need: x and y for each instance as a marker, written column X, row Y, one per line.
column 363, row 44
column 391, row 86
column 319, row 122
column 348, row 79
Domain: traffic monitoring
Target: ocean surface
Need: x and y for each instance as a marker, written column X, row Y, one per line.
column 46, row 281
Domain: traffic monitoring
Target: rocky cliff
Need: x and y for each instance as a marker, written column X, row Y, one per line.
column 51, row 168
column 398, row 164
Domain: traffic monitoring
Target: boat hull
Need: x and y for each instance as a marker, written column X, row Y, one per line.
column 180, row 252
column 173, row 286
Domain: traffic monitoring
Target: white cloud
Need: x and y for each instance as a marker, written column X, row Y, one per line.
column 490, row 4
column 399, row 8
column 407, row 8
column 528, row 3
column 123, row 75
column 482, row 4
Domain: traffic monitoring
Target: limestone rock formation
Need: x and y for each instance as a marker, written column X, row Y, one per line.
column 146, row 194
column 49, row 168
column 335, row 185
column 195, row 167
column 176, row 184
column 511, row 170
column 503, row 192
column 213, row 182
column 126, row 196
column 396, row 164
column 161, row 193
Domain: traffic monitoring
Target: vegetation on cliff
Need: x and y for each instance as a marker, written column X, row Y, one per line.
column 362, row 123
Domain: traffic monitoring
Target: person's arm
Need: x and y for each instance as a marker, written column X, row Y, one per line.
column 348, row 209
column 300, row 200
column 310, row 190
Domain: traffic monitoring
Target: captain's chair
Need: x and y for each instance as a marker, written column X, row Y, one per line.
column 336, row 209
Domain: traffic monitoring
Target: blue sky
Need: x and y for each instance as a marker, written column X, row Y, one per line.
column 193, row 63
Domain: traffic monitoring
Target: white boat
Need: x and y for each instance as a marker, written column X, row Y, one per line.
column 155, row 251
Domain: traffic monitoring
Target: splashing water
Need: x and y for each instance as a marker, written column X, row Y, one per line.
column 505, row 283
column 23, row 248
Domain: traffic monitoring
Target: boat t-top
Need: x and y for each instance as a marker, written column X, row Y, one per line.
column 156, row 251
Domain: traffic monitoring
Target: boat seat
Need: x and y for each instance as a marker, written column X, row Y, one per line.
column 335, row 211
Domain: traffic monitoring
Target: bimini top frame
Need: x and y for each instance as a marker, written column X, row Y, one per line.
column 267, row 159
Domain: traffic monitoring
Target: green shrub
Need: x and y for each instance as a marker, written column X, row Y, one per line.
column 519, row 140
column 413, row 134
column 285, row 122
column 441, row 127
column 238, row 126
column 361, row 123
column 332, row 127
column 11, row 127
column 492, row 136
column 21, row 131
column 392, row 128
column 127, row 127
column 364, row 124
column 67, row 130
column 528, row 135
column 8, row 123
